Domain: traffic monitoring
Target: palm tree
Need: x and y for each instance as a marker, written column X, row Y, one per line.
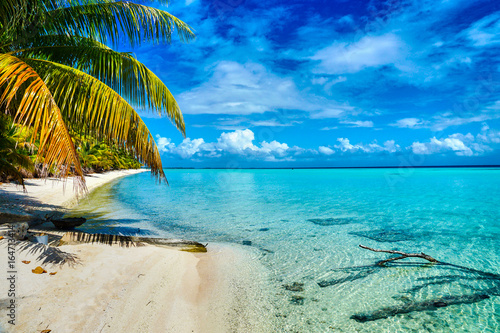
column 11, row 159
column 57, row 75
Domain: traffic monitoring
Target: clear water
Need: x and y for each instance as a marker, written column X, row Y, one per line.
column 451, row 214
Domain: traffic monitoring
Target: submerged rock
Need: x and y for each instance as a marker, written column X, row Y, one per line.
column 332, row 221
column 296, row 286
column 297, row 300
column 247, row 242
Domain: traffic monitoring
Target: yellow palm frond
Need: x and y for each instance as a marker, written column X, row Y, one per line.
column 120, row 71
column 36, row 108
column 91, row 106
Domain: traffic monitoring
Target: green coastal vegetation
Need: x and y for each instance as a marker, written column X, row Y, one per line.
column 68, row 101
column 18, row 156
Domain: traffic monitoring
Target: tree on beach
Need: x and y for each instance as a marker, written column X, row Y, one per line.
column 58, row 75
column 12, row 161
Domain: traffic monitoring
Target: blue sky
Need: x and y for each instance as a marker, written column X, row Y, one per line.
column 332, row 83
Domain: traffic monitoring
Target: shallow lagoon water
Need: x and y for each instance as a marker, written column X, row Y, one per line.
column 305, row 227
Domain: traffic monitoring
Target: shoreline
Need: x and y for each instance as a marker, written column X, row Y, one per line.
column 120, row 289
column 51, row 195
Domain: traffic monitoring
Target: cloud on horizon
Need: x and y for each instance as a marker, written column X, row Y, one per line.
column 241, row 144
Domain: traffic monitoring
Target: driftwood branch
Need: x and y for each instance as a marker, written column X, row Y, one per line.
column 403, row 255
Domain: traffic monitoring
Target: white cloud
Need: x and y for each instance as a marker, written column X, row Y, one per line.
column 189, row 147
column 409, row 44
column 391, row 146
column 236, row 142
column 327, row 82
column 486, row 31
column 488, row 135
column 271, row 123
column 444, row 121
column 186, row 149
column 274, row 148
column 457, row 146
column 460, row 144
column 454, row 143
column 369, row 51
column 239, row 142
column 242, row 89
column 163, row 144
column 462, row 115
column 408, row 123
column 359, row 123
column 345, row 146
column 338, row 112
column 493, row 137
column 326, row 151
column 420, row 148
column 320, row 80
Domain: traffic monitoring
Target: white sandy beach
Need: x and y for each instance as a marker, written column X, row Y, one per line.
column 51, row 194
column 137, row 289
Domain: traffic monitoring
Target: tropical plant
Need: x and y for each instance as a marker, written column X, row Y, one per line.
column 13, row 160
column 57, row 75
column 99, row 157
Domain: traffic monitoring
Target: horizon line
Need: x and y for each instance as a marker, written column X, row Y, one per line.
column 355, row 167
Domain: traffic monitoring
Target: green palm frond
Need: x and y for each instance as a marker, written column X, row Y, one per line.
column 16, row 159
column 55, row 4
column 9, row 8
column 120, row 71
column 106, row 21
column 13, row 14
column 7, row 169
column 11, row 159
column 91, row 106
column 38, row 109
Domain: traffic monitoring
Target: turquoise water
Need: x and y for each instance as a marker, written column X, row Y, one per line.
column 306, row 225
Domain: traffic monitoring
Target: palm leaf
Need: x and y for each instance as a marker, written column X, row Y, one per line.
column 91, row 106
column 17, row 159
column 107, row 21
column 7, row 169
column 38, row 109
column 120, row 71
column 13, row 15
